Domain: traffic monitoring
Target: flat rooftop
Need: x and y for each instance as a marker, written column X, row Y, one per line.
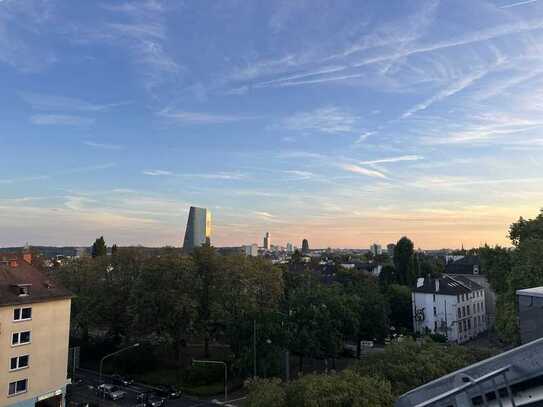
column 533, row 292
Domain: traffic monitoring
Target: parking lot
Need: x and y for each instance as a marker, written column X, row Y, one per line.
column 85, row 391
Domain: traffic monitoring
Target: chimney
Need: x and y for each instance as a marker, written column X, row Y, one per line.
column 437, row 285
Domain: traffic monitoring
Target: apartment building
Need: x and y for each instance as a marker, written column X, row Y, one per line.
column 450, row 306
column 34, row 334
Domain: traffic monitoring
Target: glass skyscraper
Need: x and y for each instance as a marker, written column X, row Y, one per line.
column 198, row 230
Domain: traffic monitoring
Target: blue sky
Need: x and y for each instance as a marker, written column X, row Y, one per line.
column 345, row 122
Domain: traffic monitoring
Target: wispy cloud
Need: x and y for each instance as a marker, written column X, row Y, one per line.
column 299, row 175
column 393, row 159
column 40, row 101
column 217, row 175
column 156, row 173
column 183, row 117
column 330, row 120
column 60, row 120
column 356, row 169
column 519, row 3
column 103, row 146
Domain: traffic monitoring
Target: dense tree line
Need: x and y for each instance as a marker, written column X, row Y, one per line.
column 510, row 269
column 375, row 381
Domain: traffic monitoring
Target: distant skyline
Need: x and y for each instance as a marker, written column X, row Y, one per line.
column 343, row 122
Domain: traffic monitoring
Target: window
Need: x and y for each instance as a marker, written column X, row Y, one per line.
column 435, row 326
column 434, row 298
column 468, row 309
column 22, row 314
column 464, row 311
column 460, row 327
column 20, row 338
column 20, row 386
column 459, row 313
column 19, row 362
column 469, row 323
column 435, row 311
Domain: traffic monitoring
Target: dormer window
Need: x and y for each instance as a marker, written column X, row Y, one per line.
column 22, row 290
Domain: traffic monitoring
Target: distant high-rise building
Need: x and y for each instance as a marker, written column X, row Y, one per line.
column 390, row 250
column 198, row 230
column 267, row 241
column 290, row 248
column 376, row 249
column 305, row 246
column 251, row 250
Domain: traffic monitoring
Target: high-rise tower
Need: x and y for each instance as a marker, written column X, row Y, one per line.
column 267, row 241
column 198, row 230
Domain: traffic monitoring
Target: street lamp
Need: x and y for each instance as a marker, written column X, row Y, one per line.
column 217, row 362
column 113, row 354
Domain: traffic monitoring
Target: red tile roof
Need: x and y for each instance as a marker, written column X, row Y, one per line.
column 15, row 271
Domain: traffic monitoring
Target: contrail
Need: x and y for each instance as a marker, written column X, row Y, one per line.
column 520, row 3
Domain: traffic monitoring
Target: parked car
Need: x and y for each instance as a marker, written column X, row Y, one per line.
column 169, row 392
column 110, row 391
column 121, row 380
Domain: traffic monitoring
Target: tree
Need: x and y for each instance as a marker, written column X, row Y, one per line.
column 206, row 269
column 408, row 364
column 403, row 261
column 399, row 300
column 99, row 247
column 347, row 388
column 162, row 303
column 523, row 229
column 388, row 276
column 265, row 393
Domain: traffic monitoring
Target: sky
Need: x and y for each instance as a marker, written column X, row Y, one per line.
column 343, row 122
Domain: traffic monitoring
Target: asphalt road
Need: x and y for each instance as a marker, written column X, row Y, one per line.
column 86, row 392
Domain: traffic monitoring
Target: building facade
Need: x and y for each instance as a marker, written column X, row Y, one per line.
column 452, row 307
column 470, row 267
column 198, row 231
column 251, row 250
column 376, row 249
column 267, row 241
column 34, row 335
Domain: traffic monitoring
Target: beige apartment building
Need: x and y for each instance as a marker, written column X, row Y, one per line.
column 34, row 334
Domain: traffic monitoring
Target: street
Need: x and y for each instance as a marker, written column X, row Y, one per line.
column 85, row 392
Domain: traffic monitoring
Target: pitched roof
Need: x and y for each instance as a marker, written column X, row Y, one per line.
column 15, row 272
column 447, row 286
column 465, row 265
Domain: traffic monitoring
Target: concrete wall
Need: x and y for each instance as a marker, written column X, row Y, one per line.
column 48, row 350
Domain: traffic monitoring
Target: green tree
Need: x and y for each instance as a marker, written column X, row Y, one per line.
column 162, row 303
column 388, row 276
column 408, row 364
column 399, row 300
column 99, row 247
column 347, row 388
column 403, row 261
column 266, row 393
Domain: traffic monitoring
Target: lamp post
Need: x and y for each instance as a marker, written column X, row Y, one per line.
column 217, row 362
column 113, row 354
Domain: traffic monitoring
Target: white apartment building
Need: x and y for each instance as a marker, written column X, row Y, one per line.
column 449, row 306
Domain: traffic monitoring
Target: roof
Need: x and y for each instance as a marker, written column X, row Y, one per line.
column 447, row 286
column 42, row 287
column 465, row 265
column 532, row 292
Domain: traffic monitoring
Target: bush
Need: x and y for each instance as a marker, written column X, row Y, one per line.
column 341, row 389
column 265, row 393
column 201, row 375
column 407, row 365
